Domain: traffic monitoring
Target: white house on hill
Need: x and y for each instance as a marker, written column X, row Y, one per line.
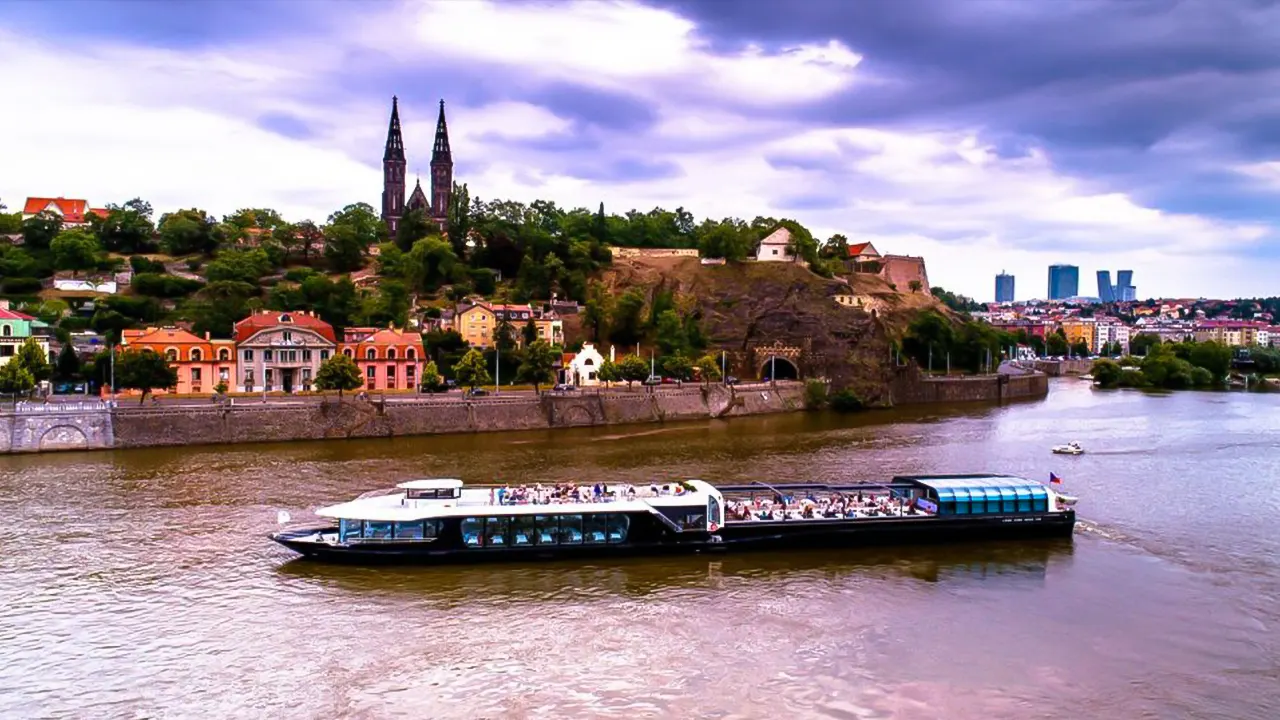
column 775, row 247
column 583, row 368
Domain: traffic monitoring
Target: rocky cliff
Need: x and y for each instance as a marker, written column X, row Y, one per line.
column 835, row 328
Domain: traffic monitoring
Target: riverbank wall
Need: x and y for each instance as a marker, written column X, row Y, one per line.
column 94, row 426
column 1058, row 368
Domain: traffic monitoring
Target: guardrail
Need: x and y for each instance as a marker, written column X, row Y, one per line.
column 31, row 407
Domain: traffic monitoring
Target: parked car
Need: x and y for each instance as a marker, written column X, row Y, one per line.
column 730, row 380
column 564, row 387
column 653, row 380
column 477, row 392
column 670, row 381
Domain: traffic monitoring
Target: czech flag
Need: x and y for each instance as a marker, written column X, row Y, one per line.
column 1054, row 479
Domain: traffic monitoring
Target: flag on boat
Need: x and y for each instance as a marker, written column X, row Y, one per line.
column 1054, row 479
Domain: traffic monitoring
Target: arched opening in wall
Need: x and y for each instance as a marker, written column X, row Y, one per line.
column 776, row 367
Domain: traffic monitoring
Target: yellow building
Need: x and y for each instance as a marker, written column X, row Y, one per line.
column 550, row 328
column 1079, row 331
column 476, row 324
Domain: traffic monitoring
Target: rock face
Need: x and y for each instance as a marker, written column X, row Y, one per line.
column 759, row 311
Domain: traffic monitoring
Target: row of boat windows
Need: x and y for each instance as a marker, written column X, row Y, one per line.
column 990, row 501
column 529, row 530
column 416, row 530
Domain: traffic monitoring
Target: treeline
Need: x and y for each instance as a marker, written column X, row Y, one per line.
column 1172, row 366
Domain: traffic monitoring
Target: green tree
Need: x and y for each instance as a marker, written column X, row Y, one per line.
column 670, row 333
column 32, row 357
column 708, row 368
column 633, row 368
column 344, row 247
column 189, row 231
column 836, row 247
column 246, row 266
column 538, row 365
column 609, row 371
column 930, row 335
column 915, row 286
column 414, row 226
column 626, row 325
column 677, row 366
column 431, row 380
column 1106, row 373
column 1212, row 356
column 529, row 333
column 730, row 239
column 218, row 306
column 458, row 219
column 39, row 230
column 127, row 228
column 339, row 373
column 595, row 314
column 429, row 263
column 1056, row 344
column 75, row 249
column 472, row 370
column 1080, row 349
column 15, row 379
column 1141, row 343
column 144, row 370
column 68, row 366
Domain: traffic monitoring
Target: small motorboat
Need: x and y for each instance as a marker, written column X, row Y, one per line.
column 1071, row 448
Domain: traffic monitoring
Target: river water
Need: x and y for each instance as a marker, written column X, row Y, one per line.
column 141, row 583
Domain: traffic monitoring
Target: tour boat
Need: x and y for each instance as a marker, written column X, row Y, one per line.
column 441, row 521
column 1069, row 449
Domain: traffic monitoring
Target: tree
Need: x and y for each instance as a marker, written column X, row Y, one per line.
column 504, row 336
column 1080, row 348
column 1056, row 344
column 530, row 332
column 126, row 228
column 730, row 239
column 670, row 333
column 1141, row 343
column 627, row 321
column 598, row 307
column 1106, row 373
column 633, row 368
column 429, row 263
column 339, row 373
column 677, row 366
column 39, row 230
column 538, row 365
column 915, row 286
column 837, row 247
column 189, row 231
column 344, row 247
column 68, row 366
column 32, row 357
column 75, row 249
column 310, row 237
column 241, row 265
column 609, row 371
column 144, row 370
column 472, row 370
column 708, row 368
column 15, row 379
column 458, row 219
column 431, row 380
column 413, row 227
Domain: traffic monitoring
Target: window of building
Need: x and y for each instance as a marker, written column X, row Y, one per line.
column 410, row 371
column 370, row 354
column 171, row 355
column 287, row 336
column 248, row 356
column 324, row 355
column 224, row 374
column 411, row 354
column 346, row 352
column 391, row 353
column 196, row 355
column 6, row 331
column 266, row 355
column 195, row 376
column 371, row 372
column 248, row 379
column 306, row 356
column 6, row 351
column 224, row 355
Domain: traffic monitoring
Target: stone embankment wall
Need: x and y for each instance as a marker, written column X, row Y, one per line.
column 157, row 425
column 1056, row 368
column 911, row 388
column 35, row 427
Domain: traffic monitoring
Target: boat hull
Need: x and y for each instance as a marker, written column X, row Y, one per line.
column 735, row 537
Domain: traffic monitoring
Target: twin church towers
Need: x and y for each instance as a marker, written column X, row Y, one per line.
column 393, row 175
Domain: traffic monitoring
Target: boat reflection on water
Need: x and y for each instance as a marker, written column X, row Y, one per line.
column 1003, row 563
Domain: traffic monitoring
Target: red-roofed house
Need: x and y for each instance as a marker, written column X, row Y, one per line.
column 863, row 252
column 202, row 363
column 281, row 350
column 72, row 210
column 389, row 359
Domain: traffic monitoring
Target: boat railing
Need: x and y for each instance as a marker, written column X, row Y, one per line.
column 383, row 540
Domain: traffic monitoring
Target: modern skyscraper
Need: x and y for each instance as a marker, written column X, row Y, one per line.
column 1004, row 288
column 1064, row 281
column 1125, row 291
column 1106, row 293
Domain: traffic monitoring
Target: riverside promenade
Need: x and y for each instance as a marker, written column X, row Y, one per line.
column 101, row 425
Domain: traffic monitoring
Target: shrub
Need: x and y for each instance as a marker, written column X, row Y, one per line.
column 141, row 265
column 846, row 401
column 815, row 394
column 22, row 286
column 164, row 286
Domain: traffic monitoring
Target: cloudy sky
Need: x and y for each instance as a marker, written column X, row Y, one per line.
column 982, row 134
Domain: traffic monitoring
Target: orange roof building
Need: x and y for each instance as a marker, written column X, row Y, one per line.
column 389, row 359
column 202, row 363
column 72, row 210
column 281, row 351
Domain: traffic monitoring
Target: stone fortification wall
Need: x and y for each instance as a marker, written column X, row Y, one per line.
column 909, row 387
column 38, row 427
column 1056, row 368
column 151, row 426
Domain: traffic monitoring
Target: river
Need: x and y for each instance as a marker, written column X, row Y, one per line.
column 141, row 583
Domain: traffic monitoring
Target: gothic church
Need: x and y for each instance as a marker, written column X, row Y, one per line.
column 393, row 175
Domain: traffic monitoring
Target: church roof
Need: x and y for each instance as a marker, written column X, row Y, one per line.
column 395, row 140
column 440, row 151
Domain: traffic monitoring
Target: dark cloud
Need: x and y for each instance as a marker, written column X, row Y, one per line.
column 612, row 111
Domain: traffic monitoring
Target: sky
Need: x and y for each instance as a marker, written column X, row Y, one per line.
column 984, row 135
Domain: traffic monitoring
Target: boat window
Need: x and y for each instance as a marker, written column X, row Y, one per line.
column 522, row 530
column 570, row 529
column 962, row 501
column 547, row 529
column 946, row 501
column 713, row 511
column 495, row 531
column 434, row 494
column 693, row 520
column 377, row 529
column 1008, row 501
column 618, row 526
column 1039, row 499
column 349, row 530
column 993, row 499
column 593, row 528
column 409, row 530
column 472, row 532
column 1024, row 499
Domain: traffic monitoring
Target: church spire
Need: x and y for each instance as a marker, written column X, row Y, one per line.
column 393, row 171
column 441, row 171
column 440, row 153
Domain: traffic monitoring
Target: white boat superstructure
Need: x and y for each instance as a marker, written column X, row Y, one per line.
column 1071, row 448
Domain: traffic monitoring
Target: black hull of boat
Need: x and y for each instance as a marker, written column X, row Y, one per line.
column 735, row 537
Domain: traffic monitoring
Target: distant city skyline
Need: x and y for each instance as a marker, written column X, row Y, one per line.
column 1064, row 281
